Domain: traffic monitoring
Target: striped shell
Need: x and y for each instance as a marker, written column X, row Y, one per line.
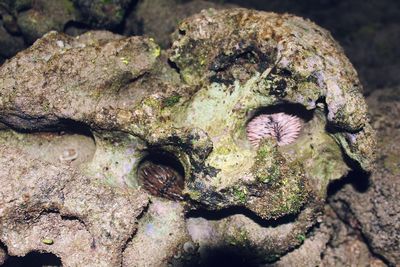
column 161, row 181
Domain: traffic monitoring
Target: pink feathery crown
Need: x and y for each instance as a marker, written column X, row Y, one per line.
column 283, row 127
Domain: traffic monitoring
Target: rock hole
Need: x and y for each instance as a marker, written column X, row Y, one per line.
column 69, row 142
column 174, row 66
column 227, row 256
column 241, row 64
column 161, row 174
column 283, row 122
column 216, row 215
column 33, row 259
column 357, row 178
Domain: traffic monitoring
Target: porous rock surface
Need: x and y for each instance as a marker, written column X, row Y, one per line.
column 332, row 244
column 374, row 208
column 126, row 95
column 53, row 208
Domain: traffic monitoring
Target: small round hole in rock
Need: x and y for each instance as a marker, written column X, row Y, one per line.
column 161, row 174
column 283, row 127
column 284, row 122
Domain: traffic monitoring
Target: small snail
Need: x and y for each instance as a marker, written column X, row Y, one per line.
column 161, row 180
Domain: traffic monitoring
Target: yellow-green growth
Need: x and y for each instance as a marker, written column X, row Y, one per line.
column 240, row 194
column 238, row 238
column 48, row 241
column 301, row 238
column 267, row 163
column 171, row 101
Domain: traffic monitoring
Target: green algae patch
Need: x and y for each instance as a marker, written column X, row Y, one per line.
column 240, row 194
column 237, row 238
column 152, row 103
column 289, row 194
column 48, row 241
column 231, row 159
column 301, row 238
column 171, row 101
column 194, row 195
column 284, row 182
column 219, row 108
column 266, row 167
column 155, row 49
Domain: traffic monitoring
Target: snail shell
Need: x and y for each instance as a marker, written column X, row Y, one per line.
column 161, row 180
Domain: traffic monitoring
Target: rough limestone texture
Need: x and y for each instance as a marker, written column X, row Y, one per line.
column 158, row 19
column 331, row 244
column 98, row 106
column 50, row 207
column 374, row 209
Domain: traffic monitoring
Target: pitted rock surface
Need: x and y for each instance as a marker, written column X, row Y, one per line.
column 185, row 108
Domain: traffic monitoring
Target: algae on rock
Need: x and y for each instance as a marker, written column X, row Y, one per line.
column 183, row 111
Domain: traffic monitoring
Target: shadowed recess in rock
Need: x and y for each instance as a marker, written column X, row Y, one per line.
column 227, row 256
column 161, row 174
column 33, row 259
column 215, row 215
column 288, row 108
column 69, row 142
column 359, row 180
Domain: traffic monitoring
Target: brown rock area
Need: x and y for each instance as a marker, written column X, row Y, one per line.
column 331, row 244
column 80, row 116
column 368, row 31
column 373, row 208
